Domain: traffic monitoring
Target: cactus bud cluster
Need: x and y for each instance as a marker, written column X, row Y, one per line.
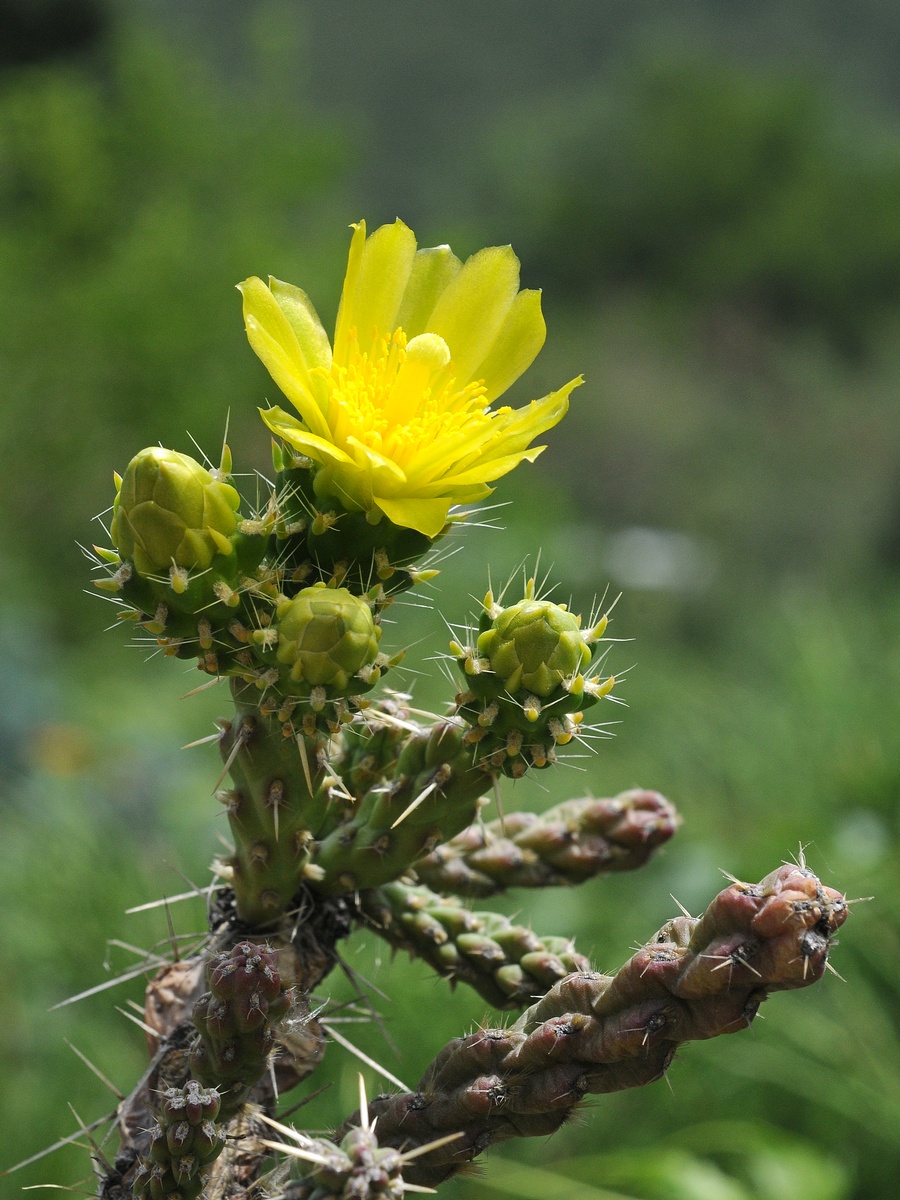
column 357, row 1169
column 236, row 1021
column 527, row 682
column 209, row 584
column 184, row 1142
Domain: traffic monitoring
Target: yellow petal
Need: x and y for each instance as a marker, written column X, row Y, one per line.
column 470, row 312
column 386, row 475
column 345, row 318
column 486, row 471
column 432, row 271
column 285, row 426
column 425, row 516
column 516, row 427
column 509, row 431
column 304, row 320
column 275, row 344
column 516, row 346
column 375, row 292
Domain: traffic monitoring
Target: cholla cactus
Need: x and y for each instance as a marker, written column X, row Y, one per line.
column 348, row 808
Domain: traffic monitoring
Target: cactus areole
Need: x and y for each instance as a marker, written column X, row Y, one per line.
column 349, row 808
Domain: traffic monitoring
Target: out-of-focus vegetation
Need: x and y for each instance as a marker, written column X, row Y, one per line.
column 136, row 188
column 720, row 255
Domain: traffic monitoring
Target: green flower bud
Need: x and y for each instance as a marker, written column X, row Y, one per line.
column 534, row 645
column 325, row 636
column 171, row 510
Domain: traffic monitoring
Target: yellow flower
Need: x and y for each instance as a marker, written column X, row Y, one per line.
column 397, row 416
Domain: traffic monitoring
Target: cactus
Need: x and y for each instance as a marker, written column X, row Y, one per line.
column 566, row 844
column 183, row 1144
column 349, row 808
column 594, row 1033
column 236, row 1022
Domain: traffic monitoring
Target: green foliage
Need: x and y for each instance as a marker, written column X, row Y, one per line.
column 140, row 184
column 713, row 181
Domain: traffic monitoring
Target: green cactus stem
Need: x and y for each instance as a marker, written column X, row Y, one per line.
column 593, row 1033
column 564, row 845
column 431, row 796
column 319, row 539
column 372, row 742
column 507, row 964
column 236, row 1022
column 184, row 1142
column 274, row 811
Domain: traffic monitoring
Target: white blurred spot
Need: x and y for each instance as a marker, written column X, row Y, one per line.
column 862, row 838
column 658, row 560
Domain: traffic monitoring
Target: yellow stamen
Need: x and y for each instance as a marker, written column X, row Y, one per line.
column 402, row 399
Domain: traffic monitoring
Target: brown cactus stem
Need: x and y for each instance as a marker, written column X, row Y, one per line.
column 273, row 813
column 564, row 845
column 507, row 964
column 237, row 1020
column 593, row 1033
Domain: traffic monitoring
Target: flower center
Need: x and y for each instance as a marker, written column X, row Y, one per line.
column 401, row 398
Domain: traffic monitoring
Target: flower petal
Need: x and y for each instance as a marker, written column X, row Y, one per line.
column 374, row 286
column 509, row 431
column 304, row 320
column 486, row 471
column 285, row 426
column 470, row 312
column 275, row 344
column 516, row 346
column 386, row 475
column 432, row 272
column 425, row 516
column 345, row 318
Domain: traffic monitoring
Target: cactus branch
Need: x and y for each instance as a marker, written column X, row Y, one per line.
column 507, row 964
column 593, row 1033
column 564, row 845
column 273, row 811
column 432, row 795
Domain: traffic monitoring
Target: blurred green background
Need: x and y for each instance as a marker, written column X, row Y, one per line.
column 709, row 194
